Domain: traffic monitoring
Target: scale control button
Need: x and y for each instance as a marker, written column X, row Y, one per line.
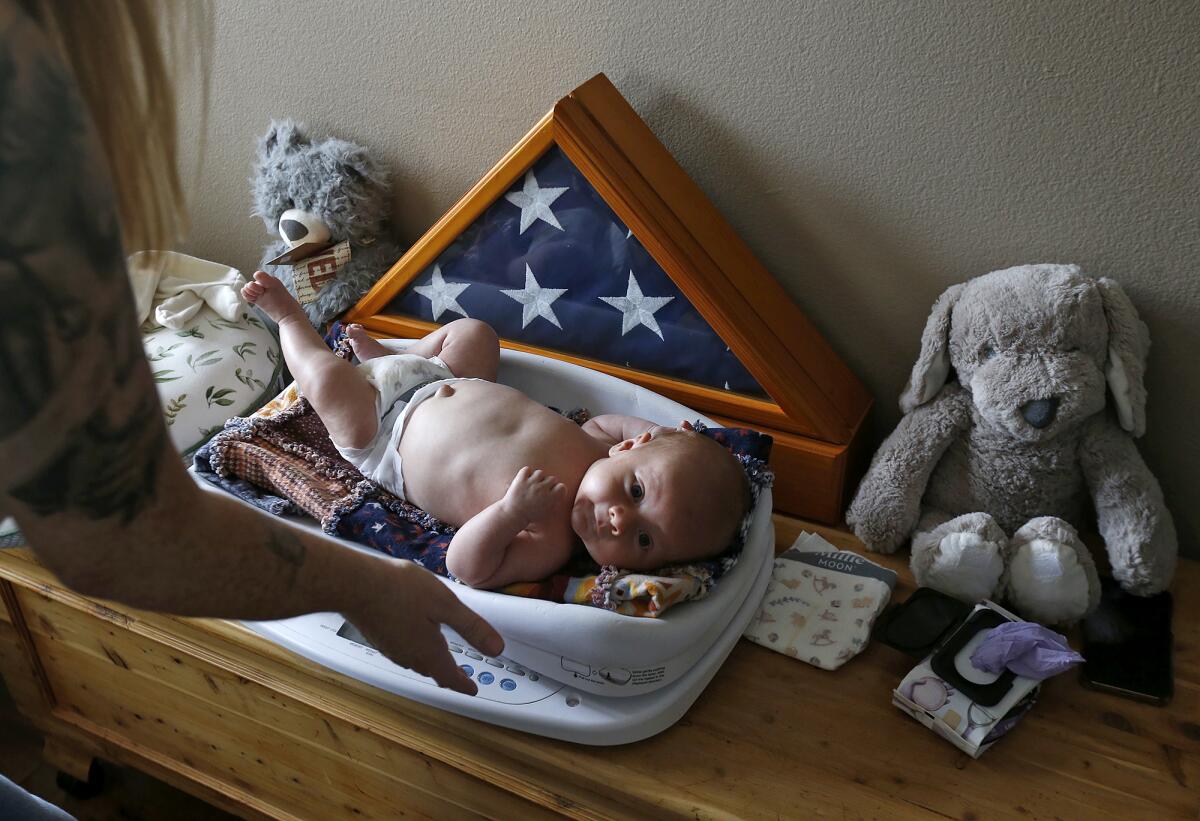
column 486, row 678
column 507, row 684
column 468, row 669
column 471, row 654
column 454, row 648
column 617, row 675
column 515, row 670
column 533, row 676
column 494, row 663
column 577, row 667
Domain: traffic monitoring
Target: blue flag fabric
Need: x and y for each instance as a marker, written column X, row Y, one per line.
column 549, row 264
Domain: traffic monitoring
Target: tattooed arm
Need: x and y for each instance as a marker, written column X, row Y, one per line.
column 86, row 466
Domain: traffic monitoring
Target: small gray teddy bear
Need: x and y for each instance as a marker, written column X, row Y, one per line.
column 327, row 190
column 1022, row 444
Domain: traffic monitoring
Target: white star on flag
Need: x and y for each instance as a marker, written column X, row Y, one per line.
column 534, row 202
column 443, row 295
column 535, row 300
column 637, row 309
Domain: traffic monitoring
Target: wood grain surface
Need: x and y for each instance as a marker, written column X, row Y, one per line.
column 231, row 717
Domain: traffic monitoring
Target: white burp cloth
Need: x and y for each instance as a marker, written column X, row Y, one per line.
column 821, row 603
column 174, row 288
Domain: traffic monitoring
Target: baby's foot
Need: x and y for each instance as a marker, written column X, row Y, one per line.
column 365, row 346
column 269, row 293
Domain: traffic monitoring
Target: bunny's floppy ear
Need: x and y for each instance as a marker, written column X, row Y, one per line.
column 933, row 363
column 1128, row 346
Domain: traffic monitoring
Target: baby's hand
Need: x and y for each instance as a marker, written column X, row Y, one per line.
column 533, row 493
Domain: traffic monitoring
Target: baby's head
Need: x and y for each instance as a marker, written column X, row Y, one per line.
column 668, row 496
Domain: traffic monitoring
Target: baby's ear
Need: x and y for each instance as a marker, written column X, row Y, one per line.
column 624, row 444
column 629, row 444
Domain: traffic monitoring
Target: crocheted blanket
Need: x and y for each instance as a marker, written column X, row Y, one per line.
column 285, row 450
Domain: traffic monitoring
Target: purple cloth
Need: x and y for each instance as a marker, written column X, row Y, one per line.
column 1028, row 649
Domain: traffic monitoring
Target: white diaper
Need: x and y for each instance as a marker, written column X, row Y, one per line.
column 401, row 382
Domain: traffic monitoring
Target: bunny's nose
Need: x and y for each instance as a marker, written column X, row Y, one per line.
column 1040, row 412
column 292, row 230
column 296, row 226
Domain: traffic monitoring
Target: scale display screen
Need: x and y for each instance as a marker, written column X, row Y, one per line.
column 350, row 632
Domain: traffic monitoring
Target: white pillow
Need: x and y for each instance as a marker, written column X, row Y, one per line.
column 210, row 371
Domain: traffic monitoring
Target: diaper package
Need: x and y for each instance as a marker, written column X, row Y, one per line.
column 821, row 603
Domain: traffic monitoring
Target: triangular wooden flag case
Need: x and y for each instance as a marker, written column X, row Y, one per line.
column 587, row 242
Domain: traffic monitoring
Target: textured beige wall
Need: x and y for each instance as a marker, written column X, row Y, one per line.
column 870, row 153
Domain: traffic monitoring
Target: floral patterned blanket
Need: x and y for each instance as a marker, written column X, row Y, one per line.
column 285, row 450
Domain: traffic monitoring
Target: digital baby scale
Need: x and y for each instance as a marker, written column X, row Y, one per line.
column 569, row 671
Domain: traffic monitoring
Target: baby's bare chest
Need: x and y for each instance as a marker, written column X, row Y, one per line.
column 461, row 449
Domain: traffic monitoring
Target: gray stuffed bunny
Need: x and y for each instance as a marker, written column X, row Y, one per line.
column 319, row 191
column 991, row 474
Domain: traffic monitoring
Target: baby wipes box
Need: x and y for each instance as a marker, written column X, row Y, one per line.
column 967, row 706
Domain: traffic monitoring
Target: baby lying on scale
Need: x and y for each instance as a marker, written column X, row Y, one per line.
column 523, row 485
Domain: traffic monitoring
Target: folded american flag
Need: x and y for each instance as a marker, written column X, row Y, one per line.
column 549, row 264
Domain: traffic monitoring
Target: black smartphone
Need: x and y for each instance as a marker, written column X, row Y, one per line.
column 1127, row 646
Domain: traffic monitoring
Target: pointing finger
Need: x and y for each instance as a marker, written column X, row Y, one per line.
column 442, row 669
column 471, row 626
